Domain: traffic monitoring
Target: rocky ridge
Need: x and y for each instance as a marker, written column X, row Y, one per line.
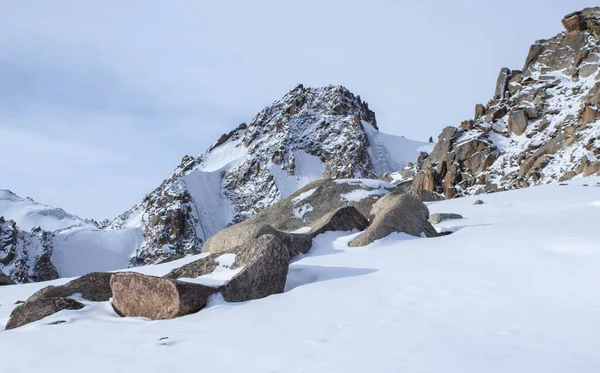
column 540, row 126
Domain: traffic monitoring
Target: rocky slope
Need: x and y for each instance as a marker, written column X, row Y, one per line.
column 25, row 256
column 540, row 126
column 309, row 134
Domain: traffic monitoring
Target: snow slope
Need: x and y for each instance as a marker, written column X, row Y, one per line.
column 514, row 289
column 29, row 214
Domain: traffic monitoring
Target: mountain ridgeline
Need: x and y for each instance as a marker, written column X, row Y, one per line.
column 540, row 126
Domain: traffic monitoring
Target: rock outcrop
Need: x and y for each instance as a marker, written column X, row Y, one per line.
column 540, row 126
column 39, row 308
column 320, row 206
column 157, row 298
column 396, row 212
column 25, row 256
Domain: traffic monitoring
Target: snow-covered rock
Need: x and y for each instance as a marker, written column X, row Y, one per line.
column 309, row 134
column 541, row 126
column 25, row 256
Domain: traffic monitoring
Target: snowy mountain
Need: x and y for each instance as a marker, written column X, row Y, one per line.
column 309, row 134
column 30, row 214
column 541, row 125
column 25, row 256
column 513, row 289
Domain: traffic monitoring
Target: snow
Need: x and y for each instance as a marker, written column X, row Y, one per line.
column 512, row 290
column 367, row 183
column 389, row 153
column 302, row 230
column 29, row 214
column 360, row 194
column 232, row 151
column 308, row 169
column 78, row 251
column 303, row 196
column 300, row 212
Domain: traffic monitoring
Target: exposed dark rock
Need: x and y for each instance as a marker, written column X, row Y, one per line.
column 5, row 280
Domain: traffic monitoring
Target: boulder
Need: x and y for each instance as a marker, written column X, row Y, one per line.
column 396, row 212
column 265, row 264
column 478, row 202
column 157, row 298
column 517, row 122
column 440, row 217
column 93, row 286
column 37, row 309
column 344, row 219
column 5, row 280
column 479, row 111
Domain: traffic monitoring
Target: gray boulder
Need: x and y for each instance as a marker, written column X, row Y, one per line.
column 93, row 286
column 157, row 298
column 517, row 122
column 343, row 219
column 37, row 309
column 396, row 212
column 440, row 217
column 263, row 261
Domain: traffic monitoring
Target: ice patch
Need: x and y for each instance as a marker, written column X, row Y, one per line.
column 360, row 194
column 303, row 196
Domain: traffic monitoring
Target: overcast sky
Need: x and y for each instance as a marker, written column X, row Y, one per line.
column 100, row 100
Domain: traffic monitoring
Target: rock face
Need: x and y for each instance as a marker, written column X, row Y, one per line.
column 320, row 206
column 309, row 134
column 396, row 212
column 37, row 309
column 157, row 298
column 540, row 126
column 25, row 256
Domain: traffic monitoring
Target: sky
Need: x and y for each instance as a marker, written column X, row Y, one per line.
column 100, row 100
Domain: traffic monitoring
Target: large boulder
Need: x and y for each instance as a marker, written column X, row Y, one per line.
column 265, row 266
column 93, row 286
column 157, row 298
column 37, row 309
column 396, row 212
column 260, row 269
column 5, row 280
